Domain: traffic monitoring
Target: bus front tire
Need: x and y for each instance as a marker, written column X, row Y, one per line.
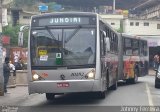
column 101, row 94
column 114, row 86
column 50, row 96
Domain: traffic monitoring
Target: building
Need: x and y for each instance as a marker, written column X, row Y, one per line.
column 141, row 27
column 113, row 20
column 146, row 28
column 147, row 10
column 19, row 16
column 24, row 17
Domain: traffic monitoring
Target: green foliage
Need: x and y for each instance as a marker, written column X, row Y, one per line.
column 50, row 5
column 12, row 32
column 21, row 3
column 120, row 30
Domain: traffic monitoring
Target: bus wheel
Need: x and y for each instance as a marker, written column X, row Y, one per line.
column 50, row 96
column 101, row 95
column 107, row 80
column 114, row 86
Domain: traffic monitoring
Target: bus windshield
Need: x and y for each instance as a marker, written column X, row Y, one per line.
column 63, row 46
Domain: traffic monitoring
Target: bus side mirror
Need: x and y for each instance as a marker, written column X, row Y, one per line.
column 107, row 44
column 104, row 33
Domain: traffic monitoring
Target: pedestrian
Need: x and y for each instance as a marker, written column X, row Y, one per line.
column 6, row 73
column 156, row 61
column 20, row 65
column 16, row 57
column 13, row 68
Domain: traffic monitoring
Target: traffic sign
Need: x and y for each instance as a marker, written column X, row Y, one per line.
column 43, row 8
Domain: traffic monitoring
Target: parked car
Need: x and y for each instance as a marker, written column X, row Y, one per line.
column 157, row 78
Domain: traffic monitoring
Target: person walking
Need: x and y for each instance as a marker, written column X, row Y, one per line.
column 12, row 67
column 156, row 61
column 6, row 73
column 20, row 65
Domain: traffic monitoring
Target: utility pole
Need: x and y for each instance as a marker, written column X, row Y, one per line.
column 1, row 53
column 114, row 6
column 0, row 16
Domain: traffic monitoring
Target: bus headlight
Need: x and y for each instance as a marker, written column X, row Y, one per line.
column 91, row 74
column 35, row 77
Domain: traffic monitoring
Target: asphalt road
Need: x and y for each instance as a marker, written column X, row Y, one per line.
column 141, row 94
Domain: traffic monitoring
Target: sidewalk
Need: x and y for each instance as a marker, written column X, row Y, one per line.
column 17, row 94
column 151, row 72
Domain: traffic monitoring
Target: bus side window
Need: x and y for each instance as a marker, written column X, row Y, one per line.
column 111, row 41
column 102, row 36
column 142, row 50
column 115, row 42
column 107, row 32
column 145, row 49
column 107, row 40
column 127, row 46
column 135, row 47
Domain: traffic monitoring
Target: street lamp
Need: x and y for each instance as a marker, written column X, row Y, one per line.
column 20, row 34
column 114, row 5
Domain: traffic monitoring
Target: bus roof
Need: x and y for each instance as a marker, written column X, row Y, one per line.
column 65, row 13
column 133, row 36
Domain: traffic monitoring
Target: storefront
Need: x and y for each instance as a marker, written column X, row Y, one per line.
column 154, row 48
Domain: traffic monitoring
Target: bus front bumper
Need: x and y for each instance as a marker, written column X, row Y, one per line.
column 65, row 86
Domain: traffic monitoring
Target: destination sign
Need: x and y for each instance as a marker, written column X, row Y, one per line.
column 64, row 21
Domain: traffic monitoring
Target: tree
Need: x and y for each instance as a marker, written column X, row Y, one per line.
column 21, row 3
column 120, row 4
column 12, row 32
column 120, row 30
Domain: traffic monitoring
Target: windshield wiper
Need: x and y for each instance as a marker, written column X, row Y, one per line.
column 74, row 32
column 53, row 37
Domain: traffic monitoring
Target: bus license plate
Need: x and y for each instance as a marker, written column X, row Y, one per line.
column 63, row 84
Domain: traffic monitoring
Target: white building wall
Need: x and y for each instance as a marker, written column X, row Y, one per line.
column 113, row 20
column 141, row 29
column 151, row 32
column 4, row 17
column 115, row 23
column 24, row 18
column 133, row 30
